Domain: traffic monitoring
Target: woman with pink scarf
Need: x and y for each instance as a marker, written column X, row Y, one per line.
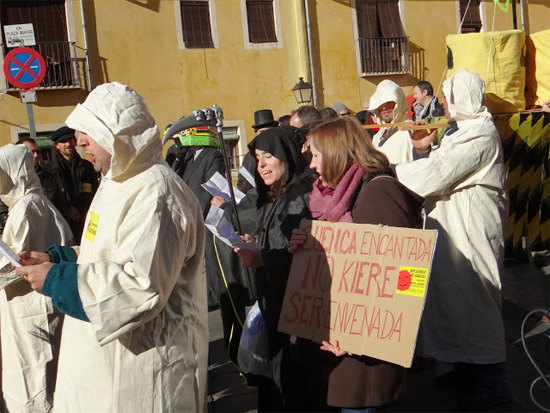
column 357, row 184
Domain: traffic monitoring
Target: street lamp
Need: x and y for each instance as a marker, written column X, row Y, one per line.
column 302, row 92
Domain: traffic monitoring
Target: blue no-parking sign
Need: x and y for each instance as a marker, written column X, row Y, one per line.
column 24, row 67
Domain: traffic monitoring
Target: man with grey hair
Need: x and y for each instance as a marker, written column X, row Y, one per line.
column 305, row 117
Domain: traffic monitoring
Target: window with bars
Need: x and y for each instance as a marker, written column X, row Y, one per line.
column 49, row 20
column 470, row 16
column 195, row 23
column 261, row 21
column 383, row 43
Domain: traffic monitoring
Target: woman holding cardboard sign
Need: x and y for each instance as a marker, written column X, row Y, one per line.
column 284, row 182
column 356, row 184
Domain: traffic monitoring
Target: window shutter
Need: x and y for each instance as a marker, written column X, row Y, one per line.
column 195, row 21
column 367, row 20
column 382, row 42
column 379, row 18
column 472, row 21
column 261, row 22
column 389, row 18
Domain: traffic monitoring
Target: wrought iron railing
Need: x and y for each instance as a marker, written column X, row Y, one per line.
column 63, row 69
column 384, row 55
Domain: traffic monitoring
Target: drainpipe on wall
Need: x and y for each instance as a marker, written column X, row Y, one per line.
column 85, row 32
column 301, row 40
column 310, row 53
column 522, row 15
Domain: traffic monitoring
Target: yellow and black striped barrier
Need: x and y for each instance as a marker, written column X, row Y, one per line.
column 526, row 142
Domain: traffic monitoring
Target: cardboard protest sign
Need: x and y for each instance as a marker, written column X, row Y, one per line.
column 363, row 285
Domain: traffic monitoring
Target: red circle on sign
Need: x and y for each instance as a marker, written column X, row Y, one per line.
column 17, row 61
column 404, row 282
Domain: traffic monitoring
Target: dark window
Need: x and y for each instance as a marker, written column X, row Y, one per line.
column 47, row 16
column 49, row 22
column 195, row 22
column 379, row 18
column 472, row 21
column 383, row 43
column 261, row 23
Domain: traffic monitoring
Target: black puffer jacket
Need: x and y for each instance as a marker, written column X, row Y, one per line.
column 70, row 184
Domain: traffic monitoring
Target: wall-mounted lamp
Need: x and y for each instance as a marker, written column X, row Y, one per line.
column 302, row 92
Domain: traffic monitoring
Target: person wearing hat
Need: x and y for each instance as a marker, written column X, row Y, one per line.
column 74, row 179
column 341, row 109
column 389, row 105
column 177, row 155
column 263, row 119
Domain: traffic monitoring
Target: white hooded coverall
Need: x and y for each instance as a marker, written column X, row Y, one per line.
column 31, row 326
column 395, row 144
column 141, row 277
column 464, row 184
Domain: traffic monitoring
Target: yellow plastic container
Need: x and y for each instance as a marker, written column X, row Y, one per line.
column 499, row 58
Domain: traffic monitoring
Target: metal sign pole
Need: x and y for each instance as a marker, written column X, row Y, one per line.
column 219, row 124
column 30, row 113
column 25, row 68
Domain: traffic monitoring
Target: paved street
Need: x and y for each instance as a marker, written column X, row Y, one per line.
column 525, row 288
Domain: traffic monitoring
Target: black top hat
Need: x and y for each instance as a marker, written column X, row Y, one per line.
column 263, row 119
column 63, row 133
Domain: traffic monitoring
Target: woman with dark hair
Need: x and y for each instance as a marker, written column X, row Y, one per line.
column 283, row 181
column 356, row 184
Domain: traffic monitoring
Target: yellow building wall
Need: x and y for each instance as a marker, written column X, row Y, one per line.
column 175, row 81
column 537, row 15
column 335, row 64
column 136, row 43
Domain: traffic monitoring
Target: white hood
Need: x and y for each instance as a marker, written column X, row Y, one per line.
column 465, row 95
column 389, row 91
column 122, row 125
column 17, row 175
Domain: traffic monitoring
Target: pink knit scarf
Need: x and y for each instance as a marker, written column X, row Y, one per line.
column 336, row 207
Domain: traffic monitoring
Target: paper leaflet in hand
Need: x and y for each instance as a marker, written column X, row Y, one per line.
column 10, row 255
column 248, row 176
column 217, row 186
column 222, row 228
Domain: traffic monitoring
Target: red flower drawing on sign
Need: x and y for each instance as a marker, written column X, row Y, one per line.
column 404, row 280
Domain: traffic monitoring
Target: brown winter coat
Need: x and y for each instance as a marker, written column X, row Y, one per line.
column 363, row 381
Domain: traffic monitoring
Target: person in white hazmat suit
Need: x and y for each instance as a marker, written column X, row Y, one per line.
column 30, row 325
column 463, row 181
column 136, row 339
column 389, row 105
